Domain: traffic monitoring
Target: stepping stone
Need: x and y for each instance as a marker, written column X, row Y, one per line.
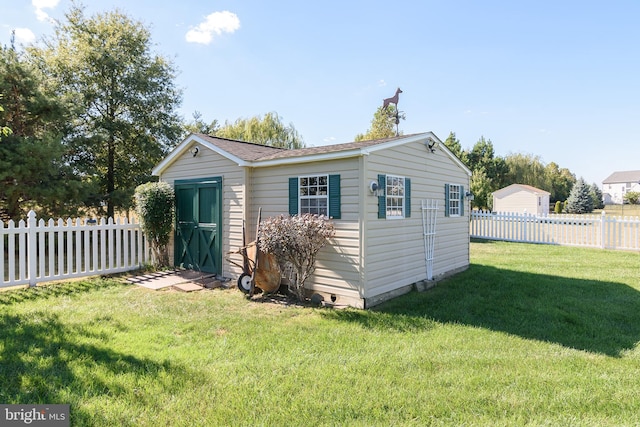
column 188, row 287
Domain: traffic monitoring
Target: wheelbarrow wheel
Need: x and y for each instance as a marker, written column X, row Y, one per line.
column 244, row 283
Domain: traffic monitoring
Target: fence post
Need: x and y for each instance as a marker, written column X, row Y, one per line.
column 602, row 231
column 32, row 242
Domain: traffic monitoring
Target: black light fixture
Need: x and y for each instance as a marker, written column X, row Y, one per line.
column 432, row 144
column 194, row 151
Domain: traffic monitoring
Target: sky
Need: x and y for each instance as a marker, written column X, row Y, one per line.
column 557, row 79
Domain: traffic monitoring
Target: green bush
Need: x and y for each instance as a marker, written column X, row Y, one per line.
column 155, row 207
column 558, row 207
column 633, row 197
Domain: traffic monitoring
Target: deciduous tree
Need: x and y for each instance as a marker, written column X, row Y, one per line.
column 125, row 118
column 383, row 124
column 633, row 197
column 268, row 130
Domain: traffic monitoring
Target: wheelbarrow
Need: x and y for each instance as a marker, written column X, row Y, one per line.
column 259, row 269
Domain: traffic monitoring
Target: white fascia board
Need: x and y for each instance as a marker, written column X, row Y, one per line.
column 220, row 151
column 184, row 145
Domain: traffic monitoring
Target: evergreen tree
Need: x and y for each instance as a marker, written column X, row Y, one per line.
column 34, row 167
column 453, row 144
column 4, row 130
column 200, row 126
column 596, row 195
column 580, row 200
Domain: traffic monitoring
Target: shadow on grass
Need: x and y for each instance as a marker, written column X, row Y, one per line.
column 592, row 315
column 45, row 361
column 14, row 296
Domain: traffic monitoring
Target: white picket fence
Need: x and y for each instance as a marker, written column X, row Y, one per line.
column 38, row 251
column 598, row 231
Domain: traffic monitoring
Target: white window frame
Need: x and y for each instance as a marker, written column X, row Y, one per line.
column 315, row 195
column 454, row 199
column 395, row 203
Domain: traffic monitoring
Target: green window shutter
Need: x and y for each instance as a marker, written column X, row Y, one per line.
column 446, row 200
column 293, row 196
column 382, row 200
column 407, row 198
column 334, row 196
column 462, row 200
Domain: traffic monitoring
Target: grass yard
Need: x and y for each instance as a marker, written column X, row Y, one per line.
column 529, row 335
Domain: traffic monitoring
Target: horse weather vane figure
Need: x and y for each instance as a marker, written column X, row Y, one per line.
column 397, row 115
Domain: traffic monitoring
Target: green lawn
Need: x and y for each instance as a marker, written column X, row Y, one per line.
column 529, row 335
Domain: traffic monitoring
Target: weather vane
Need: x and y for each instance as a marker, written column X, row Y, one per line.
column 394, row 100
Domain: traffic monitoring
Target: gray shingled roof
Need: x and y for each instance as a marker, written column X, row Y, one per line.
column 623, row 176
column 255, row 152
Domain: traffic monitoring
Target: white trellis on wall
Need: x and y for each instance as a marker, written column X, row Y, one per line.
column 429, row 215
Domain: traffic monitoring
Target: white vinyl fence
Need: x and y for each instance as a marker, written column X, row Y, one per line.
column 35, row 252
column 598, row 231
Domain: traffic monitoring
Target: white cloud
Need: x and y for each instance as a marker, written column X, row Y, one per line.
column 218, row 23
column 329, row 139
column 44, row 4
column 25, row 36
column 381, row 83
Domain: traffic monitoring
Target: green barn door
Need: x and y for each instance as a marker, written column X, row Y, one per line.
column 198, row 228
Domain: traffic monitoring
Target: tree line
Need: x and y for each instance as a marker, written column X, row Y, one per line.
column 491, row 172
column 86, row 115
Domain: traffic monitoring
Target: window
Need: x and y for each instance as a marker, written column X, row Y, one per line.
column 394, row 201
column 315, row 194
column 453, row 200
column 394, row 191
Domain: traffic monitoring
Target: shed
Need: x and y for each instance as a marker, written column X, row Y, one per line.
column 520, row 198
column 379, row 249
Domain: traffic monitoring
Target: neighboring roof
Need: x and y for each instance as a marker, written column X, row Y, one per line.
column 623, row 176
column 256, row 155
column 523, row 187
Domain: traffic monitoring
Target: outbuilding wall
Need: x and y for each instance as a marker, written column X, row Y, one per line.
column 394, row 249
column 206, row 164
column 519, row 200
column 338, row 267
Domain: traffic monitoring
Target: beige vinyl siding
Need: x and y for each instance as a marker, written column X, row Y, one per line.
column 208, row 164
column 394, row 249
column 338, row 266
column 517, row 202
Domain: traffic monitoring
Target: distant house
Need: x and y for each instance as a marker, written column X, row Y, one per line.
column 520, row 198
column 373, row 190
column 618, row 184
